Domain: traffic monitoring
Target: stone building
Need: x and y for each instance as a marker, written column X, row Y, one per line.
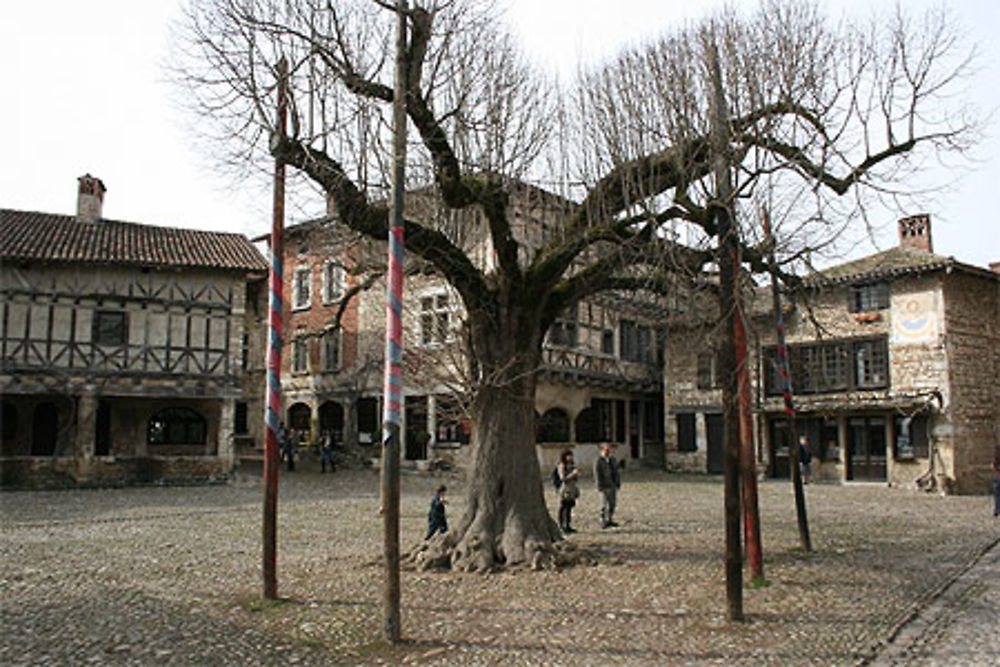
column 122, row 348
column 601, row 379
column 895, row 364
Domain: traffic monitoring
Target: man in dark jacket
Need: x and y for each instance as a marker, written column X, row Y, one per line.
column 436, row 520
column 608, row 482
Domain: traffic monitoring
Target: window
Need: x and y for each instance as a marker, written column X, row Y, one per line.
column 636, row 342
column 870, row 296
column 301, row 294
column 176, row 426
column 331, row 350
column 8, row 422
column 300, row 355
column 912, row 437
column 831, row 366
column 563, row 331
column 554, row 426
column 110, row 327
column 686, row 441
column 333, row 282
column 608, row 341
column 240, row 419
column 435, row 314
column 708, row 371
column 871, row 364
column 451, row 423
column 245, row 352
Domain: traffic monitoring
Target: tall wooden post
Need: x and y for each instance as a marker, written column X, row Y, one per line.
column 393, row 386
column 727, row 236
column 786, row 389
column 748, row 462
column 272, row 414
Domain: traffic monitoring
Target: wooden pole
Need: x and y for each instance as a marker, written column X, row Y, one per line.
column 727, row 249
column 393, row 386
column 272, row 414
column 786, row 389
column 748, row 463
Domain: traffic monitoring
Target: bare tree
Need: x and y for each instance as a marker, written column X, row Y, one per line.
column 822, row 109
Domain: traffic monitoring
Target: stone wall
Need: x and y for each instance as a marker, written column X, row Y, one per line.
column 972, row 341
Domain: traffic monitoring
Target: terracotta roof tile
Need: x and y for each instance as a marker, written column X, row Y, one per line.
column 48, row 237
column 896, row 261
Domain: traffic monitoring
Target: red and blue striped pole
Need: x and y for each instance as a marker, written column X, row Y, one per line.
column 272, row 412
column 786, row 390
column 392, row 406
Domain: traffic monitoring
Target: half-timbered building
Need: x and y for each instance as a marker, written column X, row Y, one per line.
column 122, row 348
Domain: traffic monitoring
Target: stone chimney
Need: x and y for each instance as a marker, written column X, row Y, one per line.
column 89, row 199
column 915, row 232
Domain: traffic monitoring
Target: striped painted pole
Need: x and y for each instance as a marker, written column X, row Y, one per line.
column 393, row 387
column 392, row 406
column 272, row 411
column 786, row 391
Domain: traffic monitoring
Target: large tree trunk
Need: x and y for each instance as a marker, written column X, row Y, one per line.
column 506, row 521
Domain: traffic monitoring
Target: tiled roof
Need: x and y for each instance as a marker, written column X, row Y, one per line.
column 891, row 263
column 47, row 237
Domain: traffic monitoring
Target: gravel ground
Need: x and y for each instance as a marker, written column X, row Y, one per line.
column 173, row 576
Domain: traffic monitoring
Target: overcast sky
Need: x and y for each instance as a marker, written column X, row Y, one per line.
column 84, row 92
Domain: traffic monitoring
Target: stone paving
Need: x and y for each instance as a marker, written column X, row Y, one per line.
column 171, row 576
column 959, row 626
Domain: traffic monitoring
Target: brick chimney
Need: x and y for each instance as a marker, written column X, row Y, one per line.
column 89, row 199
column 915, row 232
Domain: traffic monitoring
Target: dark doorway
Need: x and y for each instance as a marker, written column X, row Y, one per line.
column 416, row 428
column 368, row 425
column 634, row 427
column 866, row 449
column 45, row 429
column 716, row 444
column 331, row 418
column 102, row 429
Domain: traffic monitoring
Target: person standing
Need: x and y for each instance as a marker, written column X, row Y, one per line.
column 805, row 458
column 569, row 491
column 996, row 484
column 608, row 482
column 437, row 522
column 326, row 452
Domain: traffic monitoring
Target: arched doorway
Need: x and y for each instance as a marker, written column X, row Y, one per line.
column 331, row 418
column 45, row 429
column 299, row 419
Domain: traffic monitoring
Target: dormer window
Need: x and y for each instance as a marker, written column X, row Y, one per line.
column 868, row 297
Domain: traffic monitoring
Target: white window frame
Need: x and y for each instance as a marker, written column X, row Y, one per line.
column 327, row 367
column 302, row 341
column 333, row 281
column 297, row 303
column 434, row 314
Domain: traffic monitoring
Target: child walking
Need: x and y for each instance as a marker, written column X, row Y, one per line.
column 436, row 520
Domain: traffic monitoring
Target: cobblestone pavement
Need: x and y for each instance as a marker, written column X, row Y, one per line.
column 172, row 576
column 957, row 627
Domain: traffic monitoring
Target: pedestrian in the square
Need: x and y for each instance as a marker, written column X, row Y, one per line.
column 569, row 491
column 805, row 458
column 608, row 482
column 288, row 448
column 326, row 451
column 437, row 522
